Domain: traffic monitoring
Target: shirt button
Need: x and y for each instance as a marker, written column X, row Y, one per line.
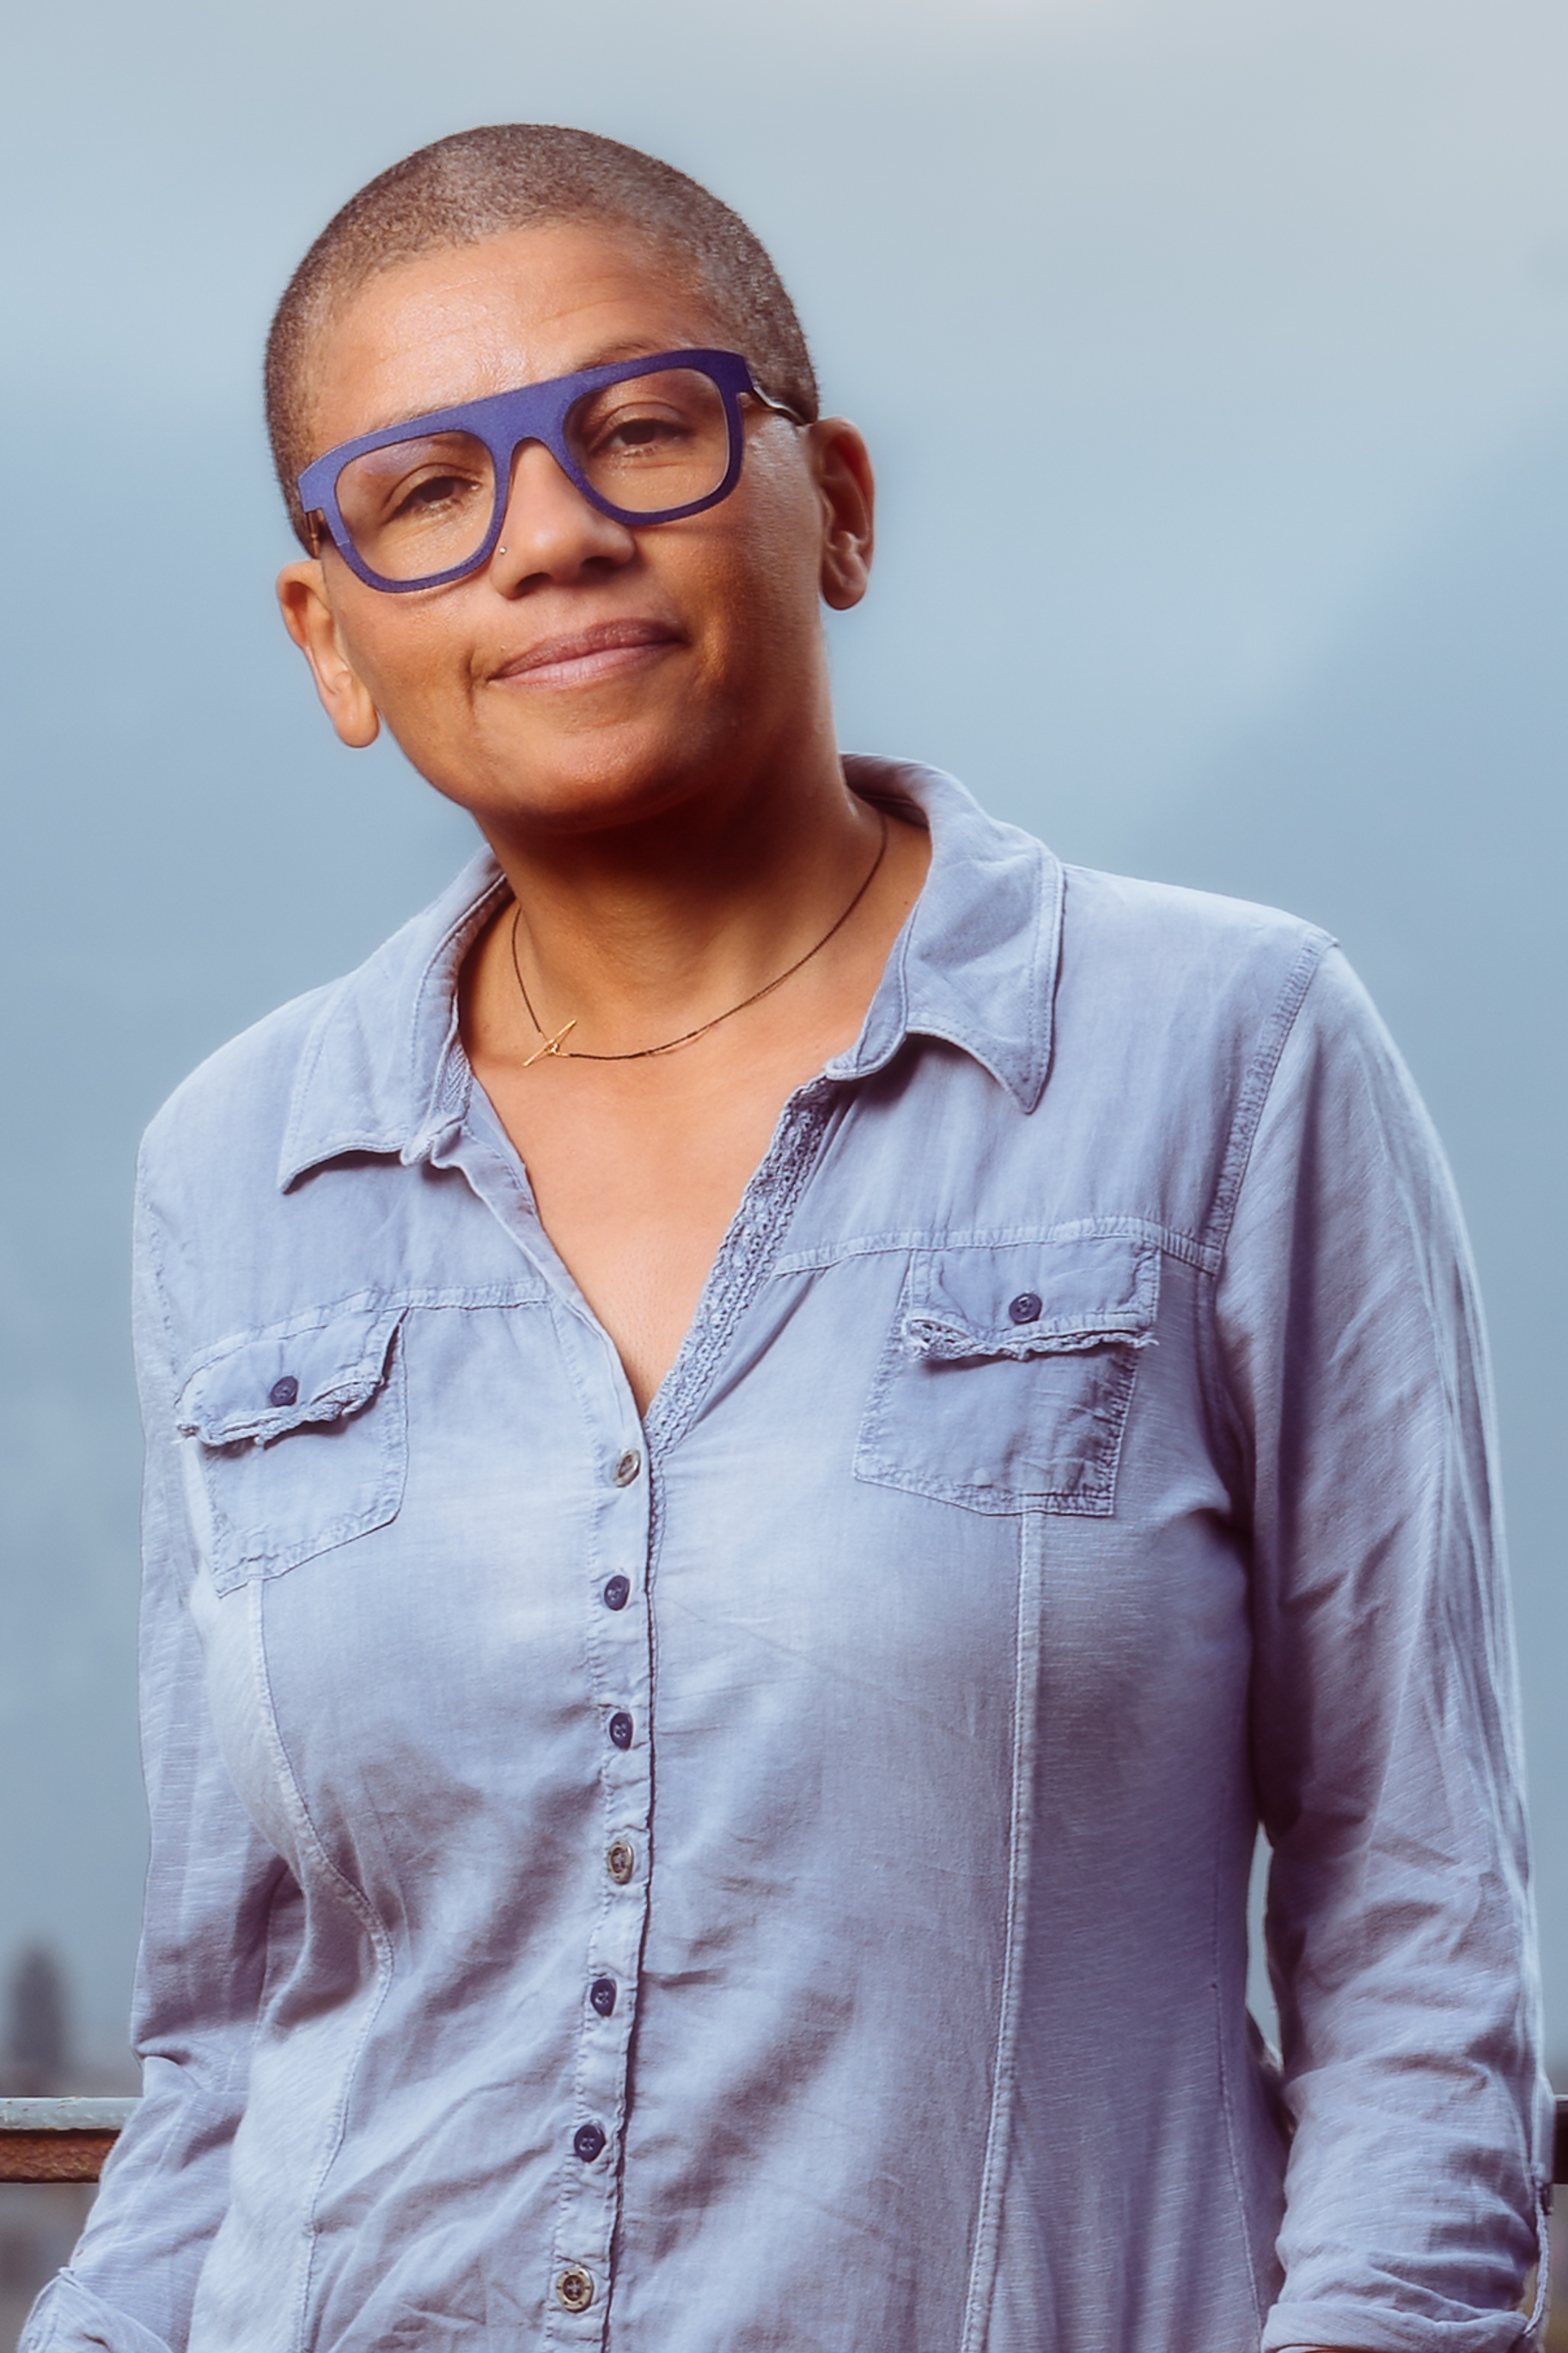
column 1025, row 1307
column 620, row 1860
column 621, row 1728
column 573, row 2289
column 628, row 1466
column 602, row 1994
column 617, row 1592
column 284, row 1392
column 588, row 2140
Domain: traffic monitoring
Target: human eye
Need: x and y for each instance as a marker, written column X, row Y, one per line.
column 666, row 431
column 629, row 429
column 407, row 481
column 432, row 491
column 420, row 505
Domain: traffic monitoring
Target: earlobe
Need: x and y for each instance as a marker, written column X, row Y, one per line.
column 848, row 493
column 309, row 620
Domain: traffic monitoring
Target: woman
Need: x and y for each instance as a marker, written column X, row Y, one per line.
column 772, row 1437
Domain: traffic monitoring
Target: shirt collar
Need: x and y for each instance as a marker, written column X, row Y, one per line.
column 976, row 961
column 383, row 1068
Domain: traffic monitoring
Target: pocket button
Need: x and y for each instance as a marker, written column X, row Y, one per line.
column 284, row 1392
column 1025, row 1307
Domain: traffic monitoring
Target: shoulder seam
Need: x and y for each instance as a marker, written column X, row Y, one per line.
column 1255, row 1091
column 147, row 1241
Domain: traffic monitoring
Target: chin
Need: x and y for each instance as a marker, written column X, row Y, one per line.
column 582, row 787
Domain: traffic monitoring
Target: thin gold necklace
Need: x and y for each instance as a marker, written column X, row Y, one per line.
column 553, row 1045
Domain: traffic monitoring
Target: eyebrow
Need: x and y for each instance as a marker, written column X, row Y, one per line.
column 629, row 347
column 626, row 347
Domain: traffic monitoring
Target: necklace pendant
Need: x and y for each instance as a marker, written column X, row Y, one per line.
column 550, row 1045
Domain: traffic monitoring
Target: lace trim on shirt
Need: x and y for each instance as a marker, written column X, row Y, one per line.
column 744, row 1257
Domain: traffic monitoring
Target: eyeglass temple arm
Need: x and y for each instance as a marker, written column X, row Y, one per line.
column 780, row 407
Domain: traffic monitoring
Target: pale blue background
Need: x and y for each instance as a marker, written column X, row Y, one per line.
column 1217, row 360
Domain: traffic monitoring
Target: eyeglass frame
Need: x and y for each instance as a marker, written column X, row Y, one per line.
column 503, row 421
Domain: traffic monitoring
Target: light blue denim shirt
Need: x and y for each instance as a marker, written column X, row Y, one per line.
column 770, row 1877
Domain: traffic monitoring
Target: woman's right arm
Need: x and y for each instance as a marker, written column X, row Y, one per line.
column 221, row 1919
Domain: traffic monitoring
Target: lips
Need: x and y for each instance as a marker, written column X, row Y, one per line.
column 581, row 655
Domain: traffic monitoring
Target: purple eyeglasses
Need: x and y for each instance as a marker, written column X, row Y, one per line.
column 645, row 441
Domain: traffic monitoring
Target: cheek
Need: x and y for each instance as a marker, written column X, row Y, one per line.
column 413, row 666
column 788, row 522
column 761, row 573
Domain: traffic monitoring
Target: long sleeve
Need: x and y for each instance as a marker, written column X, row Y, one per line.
column 221, row 1915
column 1385, row 1733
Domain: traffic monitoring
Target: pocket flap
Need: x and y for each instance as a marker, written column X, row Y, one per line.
column 1031, row 1298
column 260, row 1390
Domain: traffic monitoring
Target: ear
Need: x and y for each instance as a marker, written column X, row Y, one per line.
column 842, row 465
column 309, row 617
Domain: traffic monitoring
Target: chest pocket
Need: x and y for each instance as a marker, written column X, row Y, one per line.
column 1006, row 1380
column 301, row 1440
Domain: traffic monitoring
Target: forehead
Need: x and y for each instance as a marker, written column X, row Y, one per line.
column 455, row 324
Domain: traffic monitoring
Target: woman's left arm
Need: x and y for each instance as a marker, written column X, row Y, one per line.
column 223, row 1915
column 1385, row 1733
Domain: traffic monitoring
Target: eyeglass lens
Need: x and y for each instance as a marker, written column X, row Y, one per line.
column 424, row 505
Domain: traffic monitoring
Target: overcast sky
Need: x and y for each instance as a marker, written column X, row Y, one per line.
column 1215, row 358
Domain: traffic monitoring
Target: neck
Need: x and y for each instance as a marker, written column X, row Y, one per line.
column 636, row 931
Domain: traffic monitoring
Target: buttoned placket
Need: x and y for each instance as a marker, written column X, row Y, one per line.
column 612, row 1602
column 617, row 1600
column 619, row 1653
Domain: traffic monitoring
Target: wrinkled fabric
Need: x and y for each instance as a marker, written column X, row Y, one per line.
column 771, row 1876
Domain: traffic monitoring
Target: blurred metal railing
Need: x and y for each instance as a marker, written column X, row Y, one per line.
column 67, row 2141
column 59, row 2140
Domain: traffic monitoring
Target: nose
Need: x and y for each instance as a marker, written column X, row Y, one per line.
column 549, row 531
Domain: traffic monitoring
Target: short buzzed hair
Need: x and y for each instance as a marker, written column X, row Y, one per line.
column 508, row 176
